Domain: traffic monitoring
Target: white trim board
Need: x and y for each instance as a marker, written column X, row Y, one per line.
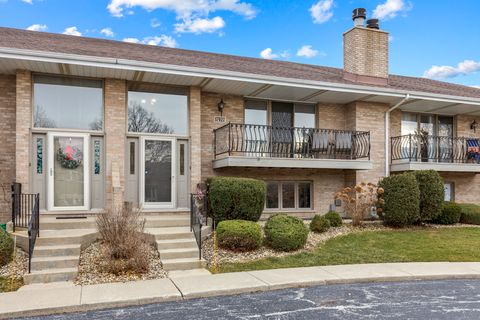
column 266, row 162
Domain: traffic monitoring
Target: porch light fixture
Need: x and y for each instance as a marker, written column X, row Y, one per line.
column 474, row 125
column 221, row 106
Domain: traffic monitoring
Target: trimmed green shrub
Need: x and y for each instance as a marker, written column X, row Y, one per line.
column 450, row 214
column 236, row 198
column 319, row 224
column 6, row 247
column 239, row 235
column 285, row 233
column 470, row 213
column 432, row 194
column 401, row 200
column 334, row 218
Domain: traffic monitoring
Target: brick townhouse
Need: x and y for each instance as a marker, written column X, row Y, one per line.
column 90, row 124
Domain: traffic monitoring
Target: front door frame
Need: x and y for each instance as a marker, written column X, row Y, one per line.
column 158, row 205
column 86, row 170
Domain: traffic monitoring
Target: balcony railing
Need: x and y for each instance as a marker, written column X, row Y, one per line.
column 252, row 140
column 427, row 148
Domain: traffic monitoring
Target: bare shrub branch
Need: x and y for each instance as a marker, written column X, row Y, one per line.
column 125, row 243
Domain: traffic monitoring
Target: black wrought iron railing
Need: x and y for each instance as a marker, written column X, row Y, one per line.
column 427, row 148
column 198, row 217
column 268, row 141
column 26, row 214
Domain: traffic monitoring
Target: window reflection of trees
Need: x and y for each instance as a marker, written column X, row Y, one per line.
column 141, row 120
column 41, row 120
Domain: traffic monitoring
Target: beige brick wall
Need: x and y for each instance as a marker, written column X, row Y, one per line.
column 115, row 130
column 23, row 125
column 366, row 52
column 466, row 186
column 7, row 146
column 462, row 124
column 368, row 116
column 325, row 182
column 332, row 116
column 195, row 128
column 233, row 112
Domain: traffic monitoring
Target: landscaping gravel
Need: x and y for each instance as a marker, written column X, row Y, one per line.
column 92, row 267
column 17, row 267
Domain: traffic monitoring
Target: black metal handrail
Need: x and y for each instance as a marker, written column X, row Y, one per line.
column 198, row 218
column 26, row 214
column 33, row 229
column 428, row 148
column 290, row 142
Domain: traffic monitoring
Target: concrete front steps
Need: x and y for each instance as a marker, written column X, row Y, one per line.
column 178, row 248
column 57, row 250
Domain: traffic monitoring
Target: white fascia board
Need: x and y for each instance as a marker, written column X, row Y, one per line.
column 133, row 65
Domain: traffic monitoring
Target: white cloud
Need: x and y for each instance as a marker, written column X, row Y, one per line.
column 268, row 54
column 28, row 1
column 390, row 9
column 307, row 51
column 465, row 67
column 38, row 27
column 162, row 40
column 200, row 25
column 131, row 40
column 154, row 23
column 72, row 31
column 478, row 87
column 322, row 11
column 107, row 32
column 391, row 38
column 184, row 8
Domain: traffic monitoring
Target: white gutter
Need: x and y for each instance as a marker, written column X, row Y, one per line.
column 387, row 132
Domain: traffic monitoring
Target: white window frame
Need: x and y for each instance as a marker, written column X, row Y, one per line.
column 280, row 196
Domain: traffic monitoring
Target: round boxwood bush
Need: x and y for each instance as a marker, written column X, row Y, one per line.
column 239, row 235
column 319, row 224
column 450, row 214
column 401, row 200
column 236, row 198
column 470, row 213
column 432, row 194
column 285, row 233
column 6, row 248
column 334, row 219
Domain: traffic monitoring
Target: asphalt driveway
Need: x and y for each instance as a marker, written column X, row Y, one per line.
column 448, row 299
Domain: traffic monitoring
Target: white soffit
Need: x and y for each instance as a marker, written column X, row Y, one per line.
column 232, row 87
column 338, row 97
column 286, row 93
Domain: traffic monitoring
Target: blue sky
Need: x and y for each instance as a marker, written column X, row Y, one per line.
column 434, row 38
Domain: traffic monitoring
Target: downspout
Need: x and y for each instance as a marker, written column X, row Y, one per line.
column 387, row 132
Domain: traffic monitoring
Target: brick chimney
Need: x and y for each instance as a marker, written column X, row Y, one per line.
column 365, row 51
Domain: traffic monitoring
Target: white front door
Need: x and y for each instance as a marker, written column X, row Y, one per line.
column 68, row 173
column 157, row 178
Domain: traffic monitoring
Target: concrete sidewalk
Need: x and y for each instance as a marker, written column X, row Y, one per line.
column 66, row 297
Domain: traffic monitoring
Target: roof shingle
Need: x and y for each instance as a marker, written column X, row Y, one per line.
column 59, row 43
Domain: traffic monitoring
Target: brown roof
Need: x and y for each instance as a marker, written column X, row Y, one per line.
column 59, row 43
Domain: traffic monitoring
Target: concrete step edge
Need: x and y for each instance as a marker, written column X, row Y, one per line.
column 55, row 258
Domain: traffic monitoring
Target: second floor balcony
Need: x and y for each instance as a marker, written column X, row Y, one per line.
column 440, row 153
column 250, row 145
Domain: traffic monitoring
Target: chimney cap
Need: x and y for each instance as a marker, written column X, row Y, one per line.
column 373, row 24
column 359, row 13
